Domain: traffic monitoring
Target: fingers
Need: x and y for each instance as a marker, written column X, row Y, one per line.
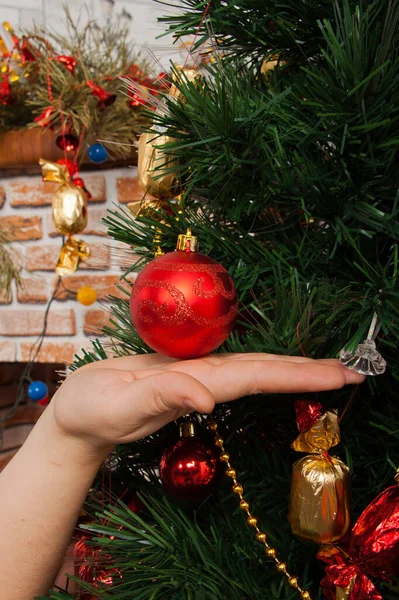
column 128, row 363
column 216, row 359
column 167, row 391
column 143, row 361
column 152, row 402
column 232, row 379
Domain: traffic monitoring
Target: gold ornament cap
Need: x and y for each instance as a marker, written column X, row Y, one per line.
column 187, row 242
column 187, row 429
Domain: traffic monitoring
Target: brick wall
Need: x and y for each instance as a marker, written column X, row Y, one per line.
column 25, row 212
column 139, row 15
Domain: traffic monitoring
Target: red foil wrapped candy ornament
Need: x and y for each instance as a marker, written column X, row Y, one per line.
column 184, row 304
column 191, row 468
column 373, row 551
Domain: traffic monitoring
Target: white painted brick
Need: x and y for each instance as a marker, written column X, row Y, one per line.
column 29, row 18
column 7, row 13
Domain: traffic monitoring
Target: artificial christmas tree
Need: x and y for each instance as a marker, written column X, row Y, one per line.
column 290, row 180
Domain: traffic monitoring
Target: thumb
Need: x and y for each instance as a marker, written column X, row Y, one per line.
column 169, row 391
column 160, row 399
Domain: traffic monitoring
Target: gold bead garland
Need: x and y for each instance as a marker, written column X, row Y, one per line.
column 252, row 521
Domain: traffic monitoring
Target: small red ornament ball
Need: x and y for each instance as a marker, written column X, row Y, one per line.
column 183, row 304
column 191, row 469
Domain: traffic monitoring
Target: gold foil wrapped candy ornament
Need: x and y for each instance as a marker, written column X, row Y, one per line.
column 72, row 252
column 157, row 168
column 157, row 171
column 320, row 488
column 69, row 215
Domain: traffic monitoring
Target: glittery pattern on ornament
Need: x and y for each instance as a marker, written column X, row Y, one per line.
column 366, row 359
column 183, row 311
column 213, row 270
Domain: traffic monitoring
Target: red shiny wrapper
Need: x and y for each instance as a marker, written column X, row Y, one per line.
column 344, row 580
column 44, row 119
column 104, row 98
column 374, row 540
column 68, row 61
column 307, row 413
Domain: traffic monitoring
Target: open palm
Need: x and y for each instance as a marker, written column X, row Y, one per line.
column 123, row 399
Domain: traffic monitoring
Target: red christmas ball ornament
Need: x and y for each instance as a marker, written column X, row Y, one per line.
column 80, row 183
column 67, row 142
column 184, row 304
column 191, row 468
column 91, row 564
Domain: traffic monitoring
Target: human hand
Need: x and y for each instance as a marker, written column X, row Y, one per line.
column 124, row 399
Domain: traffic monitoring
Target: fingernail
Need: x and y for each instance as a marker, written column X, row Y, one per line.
column 353, row 376
column 188, row 404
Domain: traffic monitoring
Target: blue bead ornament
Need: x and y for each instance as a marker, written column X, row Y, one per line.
column 37, row 390
column 97, row 153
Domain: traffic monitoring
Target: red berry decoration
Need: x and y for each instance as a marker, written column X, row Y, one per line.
column 184, row 304
column 191, row 468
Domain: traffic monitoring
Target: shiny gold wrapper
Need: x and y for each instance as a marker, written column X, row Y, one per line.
column 70, row 201
column 72, row 252
column 54, row 172
column 147, row 206
column 322, row 436
column 269, row 65
column 320, row 487
column 157, row 172
column 70, row 209
column 345, row 593
column 181, row 73
column 320, row 498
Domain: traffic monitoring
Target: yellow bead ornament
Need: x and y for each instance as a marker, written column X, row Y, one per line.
column 252, row 521
column 86, row 295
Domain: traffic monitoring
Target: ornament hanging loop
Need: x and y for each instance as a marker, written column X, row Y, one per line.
column 374, row 328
